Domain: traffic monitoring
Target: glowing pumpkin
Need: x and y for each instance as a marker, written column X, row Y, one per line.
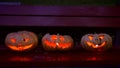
column 99, row 42
column 57, row 42
column 21, row 41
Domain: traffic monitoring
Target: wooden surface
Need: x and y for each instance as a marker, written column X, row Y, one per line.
column 59, row 21
column 59, row 16
column 60, row 10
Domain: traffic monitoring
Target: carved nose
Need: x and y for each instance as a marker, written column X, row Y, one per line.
column 19, row 44
column 98, row 41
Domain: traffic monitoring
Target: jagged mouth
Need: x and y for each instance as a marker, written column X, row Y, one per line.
column 96, row 45
column 58, row 44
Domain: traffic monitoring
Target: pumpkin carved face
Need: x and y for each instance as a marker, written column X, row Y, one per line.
column 21, row 41
column 57, row 42
column 96, row 41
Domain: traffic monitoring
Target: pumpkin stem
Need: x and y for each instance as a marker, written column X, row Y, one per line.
column 95, row 32
column 58, row 36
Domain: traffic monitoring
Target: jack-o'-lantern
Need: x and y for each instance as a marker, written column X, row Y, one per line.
column 57, row 42
column 21, row 41
column 98, row 42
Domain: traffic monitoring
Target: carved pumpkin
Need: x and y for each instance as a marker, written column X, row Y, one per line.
column 99, row 42
column 21, row 41
column 57, row 42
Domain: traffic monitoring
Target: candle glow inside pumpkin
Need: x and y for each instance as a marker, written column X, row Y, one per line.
column 56, row 42
column 96, row 41
column 21, row 41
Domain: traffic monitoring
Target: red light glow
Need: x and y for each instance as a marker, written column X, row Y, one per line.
column 18, row 58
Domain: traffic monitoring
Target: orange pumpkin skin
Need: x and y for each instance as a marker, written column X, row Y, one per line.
column 21, row 41
column 57, row 42
column 96, row 42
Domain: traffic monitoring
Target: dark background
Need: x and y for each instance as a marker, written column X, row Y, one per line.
column 66, row 2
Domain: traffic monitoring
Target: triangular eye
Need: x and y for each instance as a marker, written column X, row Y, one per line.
column 90, row 37
column 13, row 40
column 53, row 37
column 101, row 37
